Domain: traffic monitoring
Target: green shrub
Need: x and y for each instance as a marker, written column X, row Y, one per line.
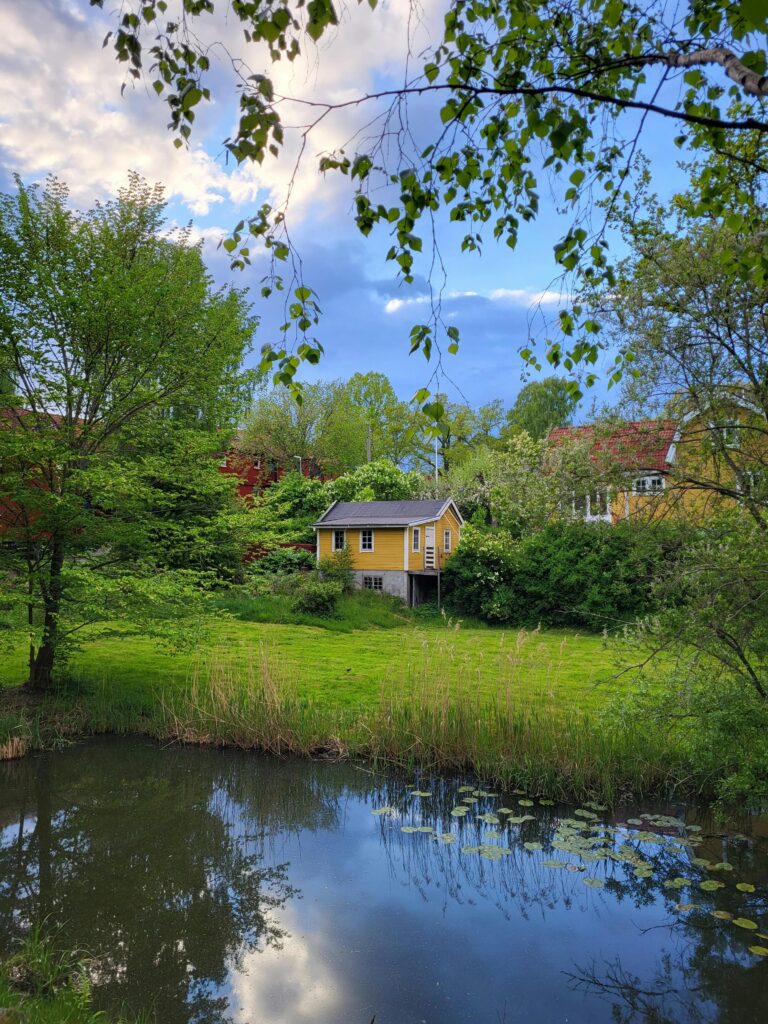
column 339, row 568
column 282, row 562
column 317, row 597
column 590, row 575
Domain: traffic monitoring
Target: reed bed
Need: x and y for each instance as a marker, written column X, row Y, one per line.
column 431, row 714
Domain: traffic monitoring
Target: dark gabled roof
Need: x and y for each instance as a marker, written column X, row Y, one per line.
column 382, row 513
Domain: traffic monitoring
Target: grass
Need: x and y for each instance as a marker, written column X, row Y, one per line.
column 410, row 689
column 41, row 984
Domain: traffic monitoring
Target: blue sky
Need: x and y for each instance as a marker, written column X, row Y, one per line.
column 62, row 113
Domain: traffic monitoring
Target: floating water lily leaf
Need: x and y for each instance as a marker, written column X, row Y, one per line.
column 693, row 828
column 469, row 799
column 489, row 819
column 574, row 867
column 518, row 792
column 643, row 873
column 408, row 828
column 744, row 922
column 759, row 950
column 596, row 807
column 760, row 935
column 459, row 812
column 493, row 833
column 520, row 820
column 504, row 810
column 711, row 885
column 684, row 908
column 581, row 813
column 594, row 883
column 384, row 810
column 745, row 887
column 466, row 789
column 677, row 883
column 420, row 792
column 470, row 849
column 635, row 821
column 554, row 864
column 650, row 837
column 525, row 802
column 702, row 862
column 533, row 846
column 547, row 803
column 446, row 837
column 722, row 866
column 425, row 828
column 721, row 915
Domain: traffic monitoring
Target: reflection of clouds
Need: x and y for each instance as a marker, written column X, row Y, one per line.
column 294, row 984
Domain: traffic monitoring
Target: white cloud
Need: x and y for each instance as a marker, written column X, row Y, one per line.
column 63, row 113
column 523, row 297
column 527, row 297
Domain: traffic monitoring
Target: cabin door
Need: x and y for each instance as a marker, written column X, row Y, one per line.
column 429, row 547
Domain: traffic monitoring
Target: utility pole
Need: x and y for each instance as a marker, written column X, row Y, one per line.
column 436, row 470
column 368, row 443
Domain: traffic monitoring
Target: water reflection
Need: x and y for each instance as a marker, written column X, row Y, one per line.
column 237, row 890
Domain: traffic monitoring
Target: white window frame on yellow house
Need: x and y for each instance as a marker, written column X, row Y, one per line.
column 334, row 546
column 416, row 540
column 645, row 484
column 447, row 541
column 366, row 550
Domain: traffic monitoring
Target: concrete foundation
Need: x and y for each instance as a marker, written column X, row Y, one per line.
column 393, row 581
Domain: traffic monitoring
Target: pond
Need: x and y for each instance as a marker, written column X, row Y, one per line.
column 218, row 887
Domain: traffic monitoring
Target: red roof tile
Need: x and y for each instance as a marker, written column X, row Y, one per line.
column 642, row 445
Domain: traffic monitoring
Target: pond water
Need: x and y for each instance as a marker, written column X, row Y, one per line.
column 224, row 888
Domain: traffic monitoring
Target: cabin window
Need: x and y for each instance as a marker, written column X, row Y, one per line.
column 446, row 541
column 416, row 538
column 257, row 463
column 223, row 462
column 652, row 484
column 373, row 582
column 598, row 504
column 366, row 540
column 339, row 540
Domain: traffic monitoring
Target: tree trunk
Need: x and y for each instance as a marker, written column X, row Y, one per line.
column 42, row 661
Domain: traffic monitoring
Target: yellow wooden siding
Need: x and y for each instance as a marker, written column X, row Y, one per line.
column 447, row 521
column 387, row 547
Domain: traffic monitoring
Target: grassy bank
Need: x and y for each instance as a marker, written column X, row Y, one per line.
column 40, row 984
column 519, row 708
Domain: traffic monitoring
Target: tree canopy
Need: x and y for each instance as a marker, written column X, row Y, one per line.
column 522, row 93
column 127, row 370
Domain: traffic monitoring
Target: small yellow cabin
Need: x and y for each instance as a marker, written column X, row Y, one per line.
column 398, row 547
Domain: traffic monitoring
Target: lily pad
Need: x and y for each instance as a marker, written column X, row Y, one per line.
column 492, row 833
column 504, row 810
column 722, row 915
column 759, row 950
column 594, row 883
column 470, row 849
column 425, row 828
column 635, row 821
column 459, row 812
column 581, row 813
column 525, row 802
column 710, row 885
column 466, row 789
column 677, row 883
column 745, row 887
column 533, row 846
column 744, row 922
column 408, row 828
column 547, row 803
column 701, row 862
column 554, row 864
column 384, row 810
column 469, row 800
column 420, row 792
column 722, row 866
column 685, row 908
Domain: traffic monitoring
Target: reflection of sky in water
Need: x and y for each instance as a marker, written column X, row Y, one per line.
column 171, row 849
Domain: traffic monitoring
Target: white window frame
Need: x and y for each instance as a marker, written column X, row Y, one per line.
column 363, row 549
column 598, row 517
column 416, row 540
column 223, row 462
column 369, row 583
column 640, row 485
column 257, row 463
column 334, row 546
column 447, row 541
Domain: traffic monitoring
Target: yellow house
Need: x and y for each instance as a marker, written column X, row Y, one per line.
column 398, row 547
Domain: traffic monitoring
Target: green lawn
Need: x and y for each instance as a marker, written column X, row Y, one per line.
column 355, row 667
